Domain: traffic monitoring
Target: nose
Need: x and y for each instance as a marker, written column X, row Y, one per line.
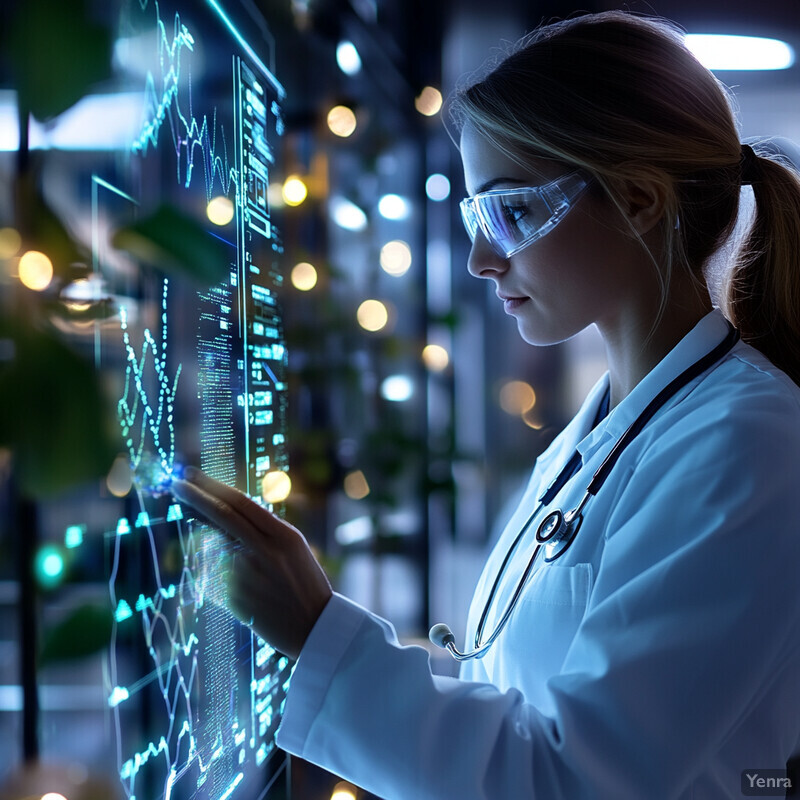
column 483, row 261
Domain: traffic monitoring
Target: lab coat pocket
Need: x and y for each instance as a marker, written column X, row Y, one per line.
column 543, row 626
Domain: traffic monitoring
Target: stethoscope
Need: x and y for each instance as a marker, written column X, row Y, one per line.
column 558, row 529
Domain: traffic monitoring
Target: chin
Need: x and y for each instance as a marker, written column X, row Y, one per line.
column 540, row 335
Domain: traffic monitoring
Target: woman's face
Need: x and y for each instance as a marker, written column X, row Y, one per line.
column 588, row 269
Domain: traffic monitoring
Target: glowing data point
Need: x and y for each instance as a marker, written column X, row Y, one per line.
column 143, row 520
column 119, row 695
column 123, row 527
column 174, row 513
column 123, row 611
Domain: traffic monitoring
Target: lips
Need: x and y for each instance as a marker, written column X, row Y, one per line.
column 510, row 303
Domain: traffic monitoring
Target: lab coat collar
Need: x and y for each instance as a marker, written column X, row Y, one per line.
column 706, row 335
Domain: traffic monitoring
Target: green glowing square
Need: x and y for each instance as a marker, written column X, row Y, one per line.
column 74, row 535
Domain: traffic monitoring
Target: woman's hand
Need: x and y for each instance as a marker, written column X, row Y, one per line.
column 276, row 585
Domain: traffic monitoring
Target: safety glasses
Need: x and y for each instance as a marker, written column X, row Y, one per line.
column 511, row 219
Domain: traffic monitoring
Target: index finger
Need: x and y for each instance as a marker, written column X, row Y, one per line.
column 227, row 506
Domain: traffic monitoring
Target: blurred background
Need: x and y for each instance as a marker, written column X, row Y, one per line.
column 414, row 412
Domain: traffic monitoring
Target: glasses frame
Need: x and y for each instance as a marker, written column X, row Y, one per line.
column 559, row 195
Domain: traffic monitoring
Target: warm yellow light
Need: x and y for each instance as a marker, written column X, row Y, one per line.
column 120, row 477
column 294, row 191
column 517, row 397
column 220, row 210
column 372, row 315
column 53, row 796
column 395, row 257
column 436, row 358
column 10, row 242
column 276, row 486
column 304, row 276
column 355, row 485
column 342, row 121
column 35, row 270
column 429, row 101
column 531, row 419
column 344, row 791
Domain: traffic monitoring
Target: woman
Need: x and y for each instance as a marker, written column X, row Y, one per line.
column 657, row 654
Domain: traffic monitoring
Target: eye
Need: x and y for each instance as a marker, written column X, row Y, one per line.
column 515, row 213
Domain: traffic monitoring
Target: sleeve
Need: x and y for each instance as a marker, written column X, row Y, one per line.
column 692, row 622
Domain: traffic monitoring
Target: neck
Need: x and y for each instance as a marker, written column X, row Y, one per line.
column 634, row 348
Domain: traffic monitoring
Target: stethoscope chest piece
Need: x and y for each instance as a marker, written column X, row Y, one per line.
column 557, row 531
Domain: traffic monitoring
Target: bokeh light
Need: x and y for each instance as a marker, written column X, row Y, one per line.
column 220, row 210
column 372, row 315
column 437, row 187
column 429, row 101
column 10, row 242
column 49, row 566
column 53, row 796
column 276, row 486
column 304, row 276
column 347, row 214
column 355, row 485
column 517, row 398
column 294, row 191
column 435, row 357
column 397, row 388
column 344, row 791
column 395, row 257
column 119, row 480
column 342, row 121
column 35, row 270
column 392, row 206
column 347, row 58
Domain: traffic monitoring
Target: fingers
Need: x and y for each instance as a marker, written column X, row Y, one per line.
column 217, row 510
column 255, row 514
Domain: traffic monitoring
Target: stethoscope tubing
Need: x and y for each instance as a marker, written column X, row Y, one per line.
column 560, row 527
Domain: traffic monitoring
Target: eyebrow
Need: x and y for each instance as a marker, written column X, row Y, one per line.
column 491, row 184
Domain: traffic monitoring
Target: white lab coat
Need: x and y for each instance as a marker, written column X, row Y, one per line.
column 658, row 658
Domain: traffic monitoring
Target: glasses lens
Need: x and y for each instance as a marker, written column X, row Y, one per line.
column 469, row 217
column 511, row 219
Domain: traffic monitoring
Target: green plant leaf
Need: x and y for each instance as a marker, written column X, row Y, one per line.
column 85, row 631
column 53, row 414
column 58, row 54
column 173, row 241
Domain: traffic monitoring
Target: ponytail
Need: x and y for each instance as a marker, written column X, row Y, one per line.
column 763, row 292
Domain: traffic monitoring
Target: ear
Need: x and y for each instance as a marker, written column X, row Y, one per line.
column 643, row 201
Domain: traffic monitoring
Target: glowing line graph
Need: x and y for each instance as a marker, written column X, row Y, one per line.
column 164, row 105
column 135, row 410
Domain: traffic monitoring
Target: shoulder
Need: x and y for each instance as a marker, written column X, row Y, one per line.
column 745, row 405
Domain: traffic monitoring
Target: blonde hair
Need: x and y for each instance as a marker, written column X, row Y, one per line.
column 620, row 97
